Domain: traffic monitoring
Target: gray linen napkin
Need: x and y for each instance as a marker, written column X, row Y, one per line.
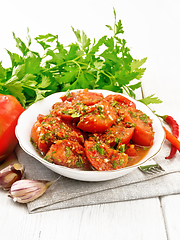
column 66, row 193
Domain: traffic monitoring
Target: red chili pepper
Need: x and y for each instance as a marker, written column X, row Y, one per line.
column 175, row 131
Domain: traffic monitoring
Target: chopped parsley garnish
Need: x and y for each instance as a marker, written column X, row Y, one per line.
column 144, row 117
column 113, row 103
column 98, row 148
column 122, row 148
column 75, row 115
column 68, row 152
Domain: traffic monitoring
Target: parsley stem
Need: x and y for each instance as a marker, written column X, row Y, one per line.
column 75, row 63
column 125, row 88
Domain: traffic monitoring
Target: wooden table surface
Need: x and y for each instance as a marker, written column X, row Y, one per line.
column 152, row 30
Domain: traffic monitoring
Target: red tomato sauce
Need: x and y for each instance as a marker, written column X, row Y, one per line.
column 87, row 131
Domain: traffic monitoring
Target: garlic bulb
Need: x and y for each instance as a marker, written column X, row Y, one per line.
column 10, row 174
column 24, row 191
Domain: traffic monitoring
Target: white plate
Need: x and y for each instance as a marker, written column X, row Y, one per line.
column 29, row 116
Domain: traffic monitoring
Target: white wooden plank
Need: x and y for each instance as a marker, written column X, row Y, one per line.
column 171, row 211
column 141, row 219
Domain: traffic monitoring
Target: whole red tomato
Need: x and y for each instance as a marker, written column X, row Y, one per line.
column 10, row 110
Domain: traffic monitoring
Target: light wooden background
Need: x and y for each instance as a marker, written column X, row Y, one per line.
column 151, row 30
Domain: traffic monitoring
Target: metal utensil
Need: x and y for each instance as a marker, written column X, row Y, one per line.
column 151, row 167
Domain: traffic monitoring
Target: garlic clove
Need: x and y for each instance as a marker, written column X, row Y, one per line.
column 10, row 174
column 24, row 191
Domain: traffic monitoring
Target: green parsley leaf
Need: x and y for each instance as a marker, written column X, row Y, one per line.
column 69, row 76
column 15, row 59
column 77, row 33
column 135, row 86
column 47, row 37
column 108, row 26
column 45, row 82
column 119, row 28
column 150, row 99
column 2, row 71
column 135, row 64
column 32, row 64
column 15, row 88
column 21, row 45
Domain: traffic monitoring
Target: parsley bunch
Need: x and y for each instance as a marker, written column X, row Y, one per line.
column 80, row 65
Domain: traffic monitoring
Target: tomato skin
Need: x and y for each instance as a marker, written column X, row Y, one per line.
column 84, row 97
column 70, row 111
column 48, row 129
column 104, row 158
column 124, row 135
column 10, row 110
column 143, row 134
column 143, row 137
column 68, row 97
column 69, row 154
column 114, row 135
column 60, row 109
column 99, row 120
column 35, row 132
column 120, row 99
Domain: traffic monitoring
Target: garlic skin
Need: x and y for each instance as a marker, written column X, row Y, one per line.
column 10, row 174
column 24, row 191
